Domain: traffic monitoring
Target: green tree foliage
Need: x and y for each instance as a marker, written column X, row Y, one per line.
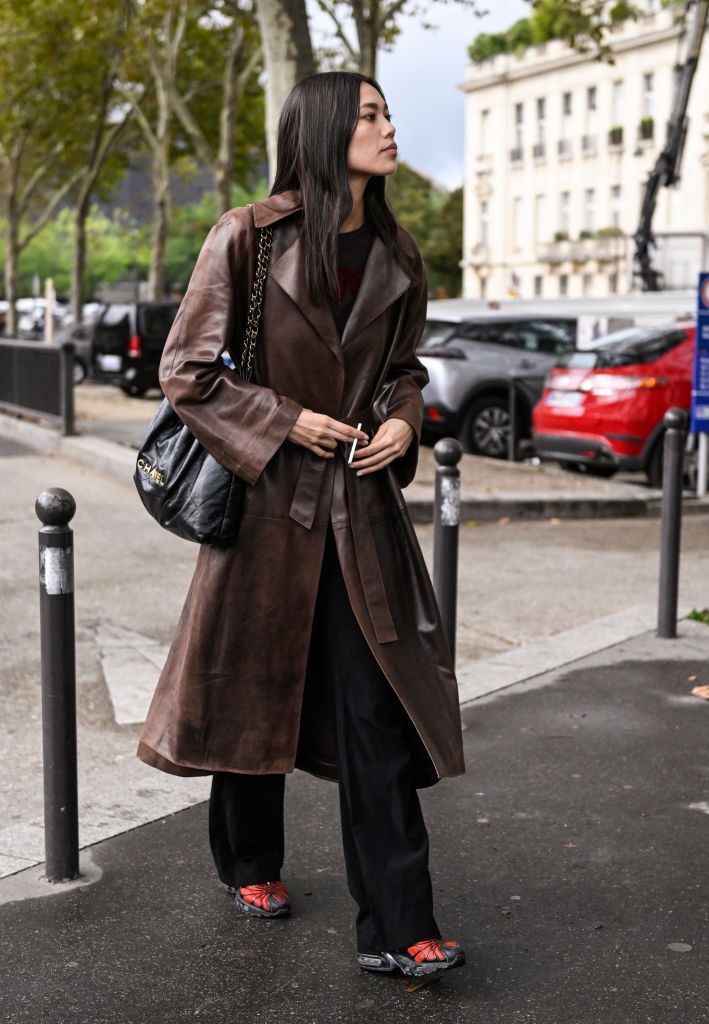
column 584, row 24
column 435, row 219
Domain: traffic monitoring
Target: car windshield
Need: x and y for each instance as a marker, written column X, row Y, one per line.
column 625, row 348
column 436, row 332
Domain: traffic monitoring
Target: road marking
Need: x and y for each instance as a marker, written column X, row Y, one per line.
column 131, row 664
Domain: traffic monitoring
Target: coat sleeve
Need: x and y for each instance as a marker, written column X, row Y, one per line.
column 240, row 423
column 407, row 375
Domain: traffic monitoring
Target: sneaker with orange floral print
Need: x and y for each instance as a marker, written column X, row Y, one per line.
column 421, row 959
column 266, row 899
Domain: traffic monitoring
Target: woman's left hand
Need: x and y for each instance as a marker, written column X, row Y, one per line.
column 390, row 442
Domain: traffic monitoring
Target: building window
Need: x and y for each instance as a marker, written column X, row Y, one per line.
column 565, row 213
column 538, row 285
column 484, row 132
column 563, row 284
column 589, row 204
column 613, row 282
column 617, row 104
column 566, row 104
column 616, row 196
column 484, row 221
column 587, row 284
column 591, row 98
column 519, row 126
column 517, row 222
column 539, row 218
column 541, row 120
column 648, row 106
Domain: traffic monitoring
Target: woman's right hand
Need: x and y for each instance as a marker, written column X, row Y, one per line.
column 319, row 433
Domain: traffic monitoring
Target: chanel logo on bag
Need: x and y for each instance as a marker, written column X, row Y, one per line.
column 151, row 471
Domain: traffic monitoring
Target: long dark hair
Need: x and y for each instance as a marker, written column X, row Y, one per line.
column 314, row 128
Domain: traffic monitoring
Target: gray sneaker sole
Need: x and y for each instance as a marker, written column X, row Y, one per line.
column 396, row 961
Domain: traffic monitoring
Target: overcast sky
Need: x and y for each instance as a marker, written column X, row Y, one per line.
column 419, row 80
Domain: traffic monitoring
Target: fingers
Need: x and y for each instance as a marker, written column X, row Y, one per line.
column 343, row 431
column 375, row 451
column 379, row 464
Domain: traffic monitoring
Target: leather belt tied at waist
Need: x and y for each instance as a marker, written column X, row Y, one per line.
column 304, row 505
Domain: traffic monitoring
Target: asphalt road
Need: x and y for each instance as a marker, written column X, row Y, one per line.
column 570, row 860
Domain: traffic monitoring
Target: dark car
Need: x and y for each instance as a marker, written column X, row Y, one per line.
column 471, row 362
column 128, row 340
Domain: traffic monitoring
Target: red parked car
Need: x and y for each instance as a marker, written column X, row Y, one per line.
column 602, row 408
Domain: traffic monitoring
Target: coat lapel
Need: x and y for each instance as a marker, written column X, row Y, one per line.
column 383, row 280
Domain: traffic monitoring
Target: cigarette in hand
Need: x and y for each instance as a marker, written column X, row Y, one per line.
column 354, row 445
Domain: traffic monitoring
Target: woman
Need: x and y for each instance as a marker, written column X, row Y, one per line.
column 315, row 640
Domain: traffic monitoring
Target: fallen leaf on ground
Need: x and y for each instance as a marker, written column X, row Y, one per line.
column 505, row 911
column 701, row 691
column 570, row 846
column 691, row 679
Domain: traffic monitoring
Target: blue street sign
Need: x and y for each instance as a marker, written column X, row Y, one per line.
column 700, row 376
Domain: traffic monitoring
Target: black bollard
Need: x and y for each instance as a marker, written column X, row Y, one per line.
column 446, row 517
column 671, row 527
column 55, row 507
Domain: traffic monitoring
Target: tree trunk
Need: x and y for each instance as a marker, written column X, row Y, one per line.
column 78, row 268
column 162, row 205
column 288, row 57
column 12, row 248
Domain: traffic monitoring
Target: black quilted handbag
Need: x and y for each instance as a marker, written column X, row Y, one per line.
column 181, row 485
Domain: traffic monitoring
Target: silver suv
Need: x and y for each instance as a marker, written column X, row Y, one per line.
column 474, row 361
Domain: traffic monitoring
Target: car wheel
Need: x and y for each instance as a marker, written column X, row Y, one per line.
column 134, row 390
column 78, row 372
column 486, row 428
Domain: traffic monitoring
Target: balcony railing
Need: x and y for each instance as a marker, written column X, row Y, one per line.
column 539, row 151
column 603, row 249
column 516, row 155
column 589, row 145
column 564, row 149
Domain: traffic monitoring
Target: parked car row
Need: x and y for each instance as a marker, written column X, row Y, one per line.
column 600, row 408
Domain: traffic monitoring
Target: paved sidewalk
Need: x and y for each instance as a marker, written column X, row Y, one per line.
column 532, row 596
column 111, row 427
column 570, row 860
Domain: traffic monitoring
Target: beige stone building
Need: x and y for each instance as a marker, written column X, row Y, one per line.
column 557, row 149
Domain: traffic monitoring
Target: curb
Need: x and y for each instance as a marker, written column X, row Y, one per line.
column 118, row 461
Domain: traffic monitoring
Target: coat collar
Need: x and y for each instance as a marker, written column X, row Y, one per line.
column 383, row 280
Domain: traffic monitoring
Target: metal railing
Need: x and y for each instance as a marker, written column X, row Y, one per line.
column 37, row 378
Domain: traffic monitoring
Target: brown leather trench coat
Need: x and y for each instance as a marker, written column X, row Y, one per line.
column 235, row 693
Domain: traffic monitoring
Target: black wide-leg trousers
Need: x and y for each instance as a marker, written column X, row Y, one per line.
column 385, row 842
